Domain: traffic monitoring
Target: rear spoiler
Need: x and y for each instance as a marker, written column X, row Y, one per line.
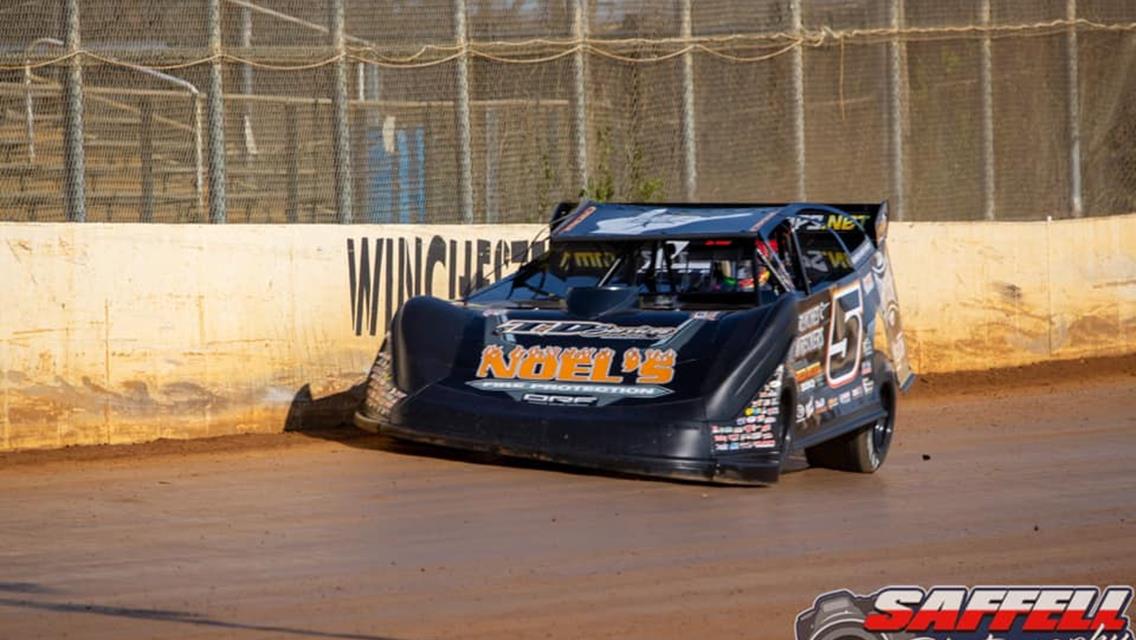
column 875, row 218
column 562, row 209
column 875, row 214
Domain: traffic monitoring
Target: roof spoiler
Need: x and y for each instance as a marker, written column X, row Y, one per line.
column 875, row 218
column 560, row 211
column 875, row 223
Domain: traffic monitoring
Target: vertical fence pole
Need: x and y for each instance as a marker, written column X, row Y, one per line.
column 342, row 128
column 198, row 157
column 689, row 133
column 1074, row 110
column 246, row 85
column 465, row 151
column 987, row 90
column 897, row 72
column 359, row 165
column 146, row 158
column 75, row 197
column 292, row 199
column 492, row 160
column 580, row 90
column 29, row 112
column 216, row 109
column 797, row 70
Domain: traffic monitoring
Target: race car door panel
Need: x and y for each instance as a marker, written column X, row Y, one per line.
column 829, row 349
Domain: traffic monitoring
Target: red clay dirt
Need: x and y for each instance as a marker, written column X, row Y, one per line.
column 1017, row 476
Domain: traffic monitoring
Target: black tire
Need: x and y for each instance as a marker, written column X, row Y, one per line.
column 863, row 450
column 788, row 417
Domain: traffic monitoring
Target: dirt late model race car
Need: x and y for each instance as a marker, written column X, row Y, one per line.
column 695, row 341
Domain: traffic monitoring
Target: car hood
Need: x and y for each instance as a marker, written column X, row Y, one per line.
column 715, row 358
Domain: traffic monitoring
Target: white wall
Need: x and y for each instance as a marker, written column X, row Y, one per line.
column 127, row 333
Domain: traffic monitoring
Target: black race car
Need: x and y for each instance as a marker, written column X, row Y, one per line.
column 693, row 341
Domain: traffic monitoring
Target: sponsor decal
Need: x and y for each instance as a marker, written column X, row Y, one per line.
column 869, row 283
column 808, row 343
column 845, row 336
column 899, row 348
column 866, row 368
column 868, row 385
column 566, row 401
column 583, row 215
column 1039, row 612
column 655, row 220
column 832, row 402
column 811, row 318
column 857, row 392
column 836, row 222
column 810, row 371
column 577, row 364
column 813, row 407
column 584, row 329
column 586, row 260
column 757, row 419
column 825, row 261
column 586, row 371
column 706, row 315
column 846, row 397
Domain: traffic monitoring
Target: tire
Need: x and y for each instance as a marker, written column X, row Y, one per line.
column 788, row 415
column 863, row 450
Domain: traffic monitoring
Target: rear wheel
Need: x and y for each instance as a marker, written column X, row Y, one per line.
column 863, row 450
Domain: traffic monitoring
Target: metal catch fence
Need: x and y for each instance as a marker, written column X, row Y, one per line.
column 445, row 111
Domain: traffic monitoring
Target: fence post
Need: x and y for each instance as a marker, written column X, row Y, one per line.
column 580, row 90
column 897, row 70
column 198, row 158
column 146, row 158
column 987, row 89
column 465, row 151
column 75, row 197
column 797, row 69
column 342, row 128
column 216, row 109
column 292, row 200
column 689, row 137
column 360, row 168
column 492, row 160
column 246, row 85
column 1074, row 111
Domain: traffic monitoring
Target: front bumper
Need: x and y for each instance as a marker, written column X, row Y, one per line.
column 637, row 440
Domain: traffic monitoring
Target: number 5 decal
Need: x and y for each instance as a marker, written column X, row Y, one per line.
column 845, row 335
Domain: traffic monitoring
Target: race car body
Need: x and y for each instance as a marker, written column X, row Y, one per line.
column 703, row 342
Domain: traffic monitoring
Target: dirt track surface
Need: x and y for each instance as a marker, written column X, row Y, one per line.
column 354, row 537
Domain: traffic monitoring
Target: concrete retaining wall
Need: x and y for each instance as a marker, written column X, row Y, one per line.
column 998, row 294
column 127, row 333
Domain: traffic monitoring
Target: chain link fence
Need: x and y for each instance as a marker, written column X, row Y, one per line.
column 493, row 110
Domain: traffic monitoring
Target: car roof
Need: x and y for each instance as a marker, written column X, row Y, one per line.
column 644, row 221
